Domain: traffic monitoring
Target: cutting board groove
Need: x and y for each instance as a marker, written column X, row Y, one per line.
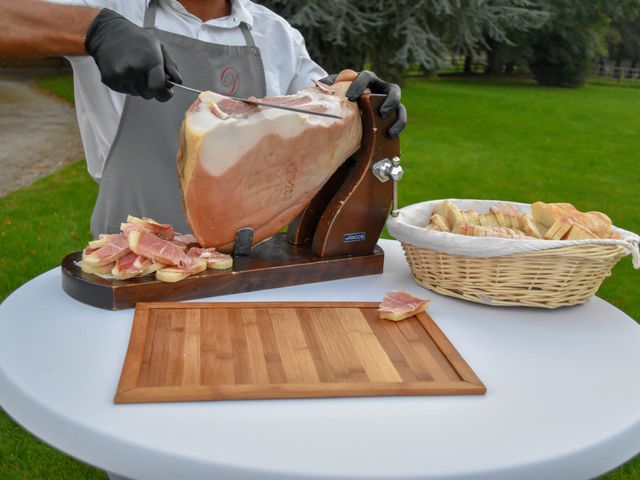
column 217, row 351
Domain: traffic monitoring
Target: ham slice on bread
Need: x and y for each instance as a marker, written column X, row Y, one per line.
column 131, row 265
column 134, row 223
column 103, row 271
column 215, row 260
column 175, row 274
column 157, row 249
column 144, row 247
column 398, row 305
column 115, row 246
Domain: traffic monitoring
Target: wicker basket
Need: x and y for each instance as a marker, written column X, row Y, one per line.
column 549, row 276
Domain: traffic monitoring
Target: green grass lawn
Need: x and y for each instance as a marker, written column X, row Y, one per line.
column 466, row 139
column 59, row 85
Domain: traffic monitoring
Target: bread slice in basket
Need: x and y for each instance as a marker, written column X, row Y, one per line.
column 549, row 221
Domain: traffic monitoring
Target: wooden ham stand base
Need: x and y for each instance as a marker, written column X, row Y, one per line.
column 334, row 237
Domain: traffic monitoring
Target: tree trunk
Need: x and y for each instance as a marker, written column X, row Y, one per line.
column 510, row 68
column 468, row 64
column 494, row 66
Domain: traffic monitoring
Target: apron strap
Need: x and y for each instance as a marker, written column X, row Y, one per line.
column 150, row 22
column 150, row 14
column 244, row 28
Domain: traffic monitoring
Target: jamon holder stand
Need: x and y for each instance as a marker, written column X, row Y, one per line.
column 334, row 237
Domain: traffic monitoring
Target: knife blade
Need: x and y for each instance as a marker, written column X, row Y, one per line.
column 262, row 104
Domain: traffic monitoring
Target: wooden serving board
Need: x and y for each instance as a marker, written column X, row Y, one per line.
column 225, row 351
column 273, row 263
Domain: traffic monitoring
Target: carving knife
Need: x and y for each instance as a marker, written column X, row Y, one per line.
column 261, row 103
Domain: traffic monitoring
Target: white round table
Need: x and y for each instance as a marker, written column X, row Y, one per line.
column 562, row 401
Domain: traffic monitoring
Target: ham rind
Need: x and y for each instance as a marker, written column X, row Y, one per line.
column 398, row 305
column 117, row 246
column 157, row 249
column 259, row 167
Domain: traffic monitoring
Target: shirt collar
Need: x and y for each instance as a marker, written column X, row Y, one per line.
column 239, row 9
column 239, row 13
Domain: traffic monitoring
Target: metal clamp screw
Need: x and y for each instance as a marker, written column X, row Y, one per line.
column 389, row 169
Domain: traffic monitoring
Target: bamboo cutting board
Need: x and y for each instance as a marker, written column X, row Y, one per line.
column 225, row 351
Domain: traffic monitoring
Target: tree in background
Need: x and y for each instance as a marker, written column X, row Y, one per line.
column 509, row 57
column 567, row 45
column 491, row 23
column 394, row 35
column 624, row 42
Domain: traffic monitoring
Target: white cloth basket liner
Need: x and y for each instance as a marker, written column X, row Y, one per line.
column 408, row 227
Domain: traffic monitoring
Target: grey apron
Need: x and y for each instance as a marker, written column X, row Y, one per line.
column 140, row 176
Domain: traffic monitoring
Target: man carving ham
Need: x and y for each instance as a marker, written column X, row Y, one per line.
column 124, row 53
column 128, row 113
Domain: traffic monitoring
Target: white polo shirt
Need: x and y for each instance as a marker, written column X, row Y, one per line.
column 287, row 65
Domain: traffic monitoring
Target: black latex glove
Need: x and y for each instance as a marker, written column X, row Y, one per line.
column 366, row 79
column 130, row 59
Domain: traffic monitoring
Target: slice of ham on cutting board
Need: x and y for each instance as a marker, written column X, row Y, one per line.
column 144, row 247
column 149, row 245
column 175, row 274
column 215, row 260
column 133, row 265
column 103, row 271
column 247, row 166
column 134, row 223
column 398, row 305
column 113, row 247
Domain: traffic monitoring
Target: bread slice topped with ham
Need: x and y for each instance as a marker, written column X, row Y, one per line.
column 398, row 305
column 145, row 247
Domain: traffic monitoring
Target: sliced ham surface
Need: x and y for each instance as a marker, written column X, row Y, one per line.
column 157, row 249
column 129, row 266
column 134, row 223
column 116, row 246
column 144, row 248
column 398, row 305
column 175, row 274
column 215, row 259
column 186, row 238
column 247, row 166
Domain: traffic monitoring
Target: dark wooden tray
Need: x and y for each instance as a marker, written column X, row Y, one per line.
column 272, row 264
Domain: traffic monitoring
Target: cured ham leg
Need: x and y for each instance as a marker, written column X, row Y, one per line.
column 246, row 166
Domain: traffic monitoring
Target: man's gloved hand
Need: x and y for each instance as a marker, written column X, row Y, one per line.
column 130, row 59
column 366, row 79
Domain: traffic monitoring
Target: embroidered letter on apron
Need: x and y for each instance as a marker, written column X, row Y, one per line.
column 140, row 176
